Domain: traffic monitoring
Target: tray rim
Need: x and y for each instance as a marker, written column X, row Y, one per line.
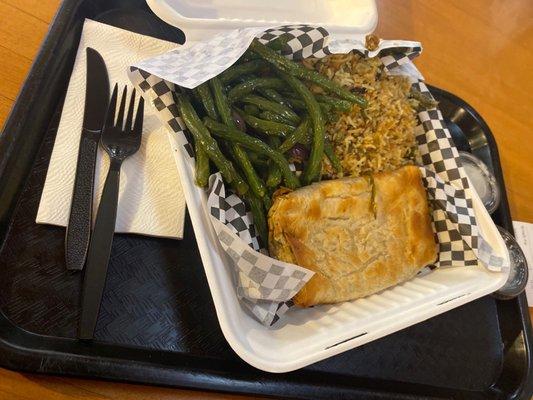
column 39, row 360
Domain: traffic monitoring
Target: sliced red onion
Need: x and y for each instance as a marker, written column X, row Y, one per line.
column 239, row 121
column 299, row 152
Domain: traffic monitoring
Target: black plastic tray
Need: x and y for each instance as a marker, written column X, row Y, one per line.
column 157, row 323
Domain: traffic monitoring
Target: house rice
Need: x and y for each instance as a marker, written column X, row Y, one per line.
column 379, row 137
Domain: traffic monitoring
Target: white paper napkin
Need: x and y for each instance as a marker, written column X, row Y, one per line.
column 151, row 201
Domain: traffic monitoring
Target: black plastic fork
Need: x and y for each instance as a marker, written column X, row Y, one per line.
column 120, row 140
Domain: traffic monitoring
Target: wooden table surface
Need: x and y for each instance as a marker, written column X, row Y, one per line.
column 480, row 50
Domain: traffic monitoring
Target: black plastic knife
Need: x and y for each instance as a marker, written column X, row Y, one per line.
column 79, row 222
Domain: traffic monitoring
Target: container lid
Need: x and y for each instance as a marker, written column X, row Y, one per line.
column 518, row 275
column 482, row 179
column 199, row 19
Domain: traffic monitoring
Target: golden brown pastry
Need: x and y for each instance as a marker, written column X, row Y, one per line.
column 359, row 235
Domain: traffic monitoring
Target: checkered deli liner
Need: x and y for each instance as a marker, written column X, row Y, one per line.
column 265, row 286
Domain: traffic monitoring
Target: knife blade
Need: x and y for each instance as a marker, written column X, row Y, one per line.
column 79, row 223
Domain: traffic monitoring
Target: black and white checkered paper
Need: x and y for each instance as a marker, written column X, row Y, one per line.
column 265, row 285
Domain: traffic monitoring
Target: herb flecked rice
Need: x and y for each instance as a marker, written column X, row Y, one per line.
column 381, row 137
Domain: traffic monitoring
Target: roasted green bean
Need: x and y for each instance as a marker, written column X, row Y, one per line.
column 250, row 85
column 239, row 154
column 299, row 71
column 272, row 116
column 332, row 157
column 259, row 163
column 274, row 173
column 278, row 43
column 299, row 104
column 236, row 136
column 267, row 201
column 269, row 105
column 203, row 137
column 221, row 102
column 241, row 158
column 201, row 165
column 267, row 127
column 260, row 222
column 298, row 136
column 273, row 94
column 207, row 100
column 248, row 56
column 314, row 163
column 238, row 70
column 335, row 104
column 251, row 109
column 254, row 157
column 274, row 177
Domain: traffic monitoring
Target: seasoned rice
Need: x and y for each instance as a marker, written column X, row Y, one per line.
column 380, row 137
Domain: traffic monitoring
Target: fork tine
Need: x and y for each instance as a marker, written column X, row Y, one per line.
column 110, row 117
column 129, row 117
column 120, row 118
column 138, row 126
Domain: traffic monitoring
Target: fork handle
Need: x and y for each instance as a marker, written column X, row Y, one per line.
column 99, row 251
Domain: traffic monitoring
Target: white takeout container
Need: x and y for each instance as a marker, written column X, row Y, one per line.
column 201, row 18
column 305, row 336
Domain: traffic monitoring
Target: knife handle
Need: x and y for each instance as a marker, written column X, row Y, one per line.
column 79, row 222
column 99, row 251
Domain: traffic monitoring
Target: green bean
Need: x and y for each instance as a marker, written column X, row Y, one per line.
column 272, row 116
column 273, row 95
column 314, row 163
column 195, row 95
column 274, row 177
column 299, row 71
column 251, row 109
column 326, row 109
column 207, row 100
column 260, row 222
column 250, row 142
column 221, row 102
column 239, row 154
column 267, row 201
column 250, row 85
column 335, row 104
column 329, row 114
column 269, row 105
column 248, row 56
column 240, row 185
column 267, row 127
column 298, row 136
column 274, row 173
column 241, row 158
column 332, row 157
column 235, row 185
column 260, row 163
column 201, row 165
column 278, row 43
column 203, row 137
column 299, row 104
column 254, row 157
column 238, row 70
column 301, row 135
